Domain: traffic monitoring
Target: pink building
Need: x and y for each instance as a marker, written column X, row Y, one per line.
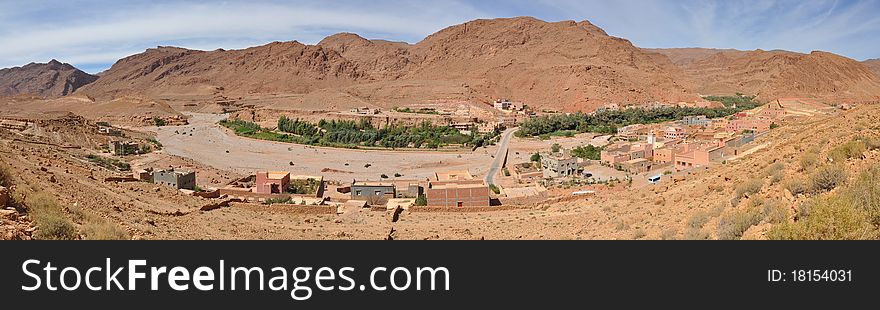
column 272, row 182
column 674, row 133
column 756, row 124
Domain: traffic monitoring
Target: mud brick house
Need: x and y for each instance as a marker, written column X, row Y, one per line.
column 457, row 189
column 272, row 182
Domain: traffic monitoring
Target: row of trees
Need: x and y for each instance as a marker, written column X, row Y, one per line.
column 350, row 133
column 607, row 122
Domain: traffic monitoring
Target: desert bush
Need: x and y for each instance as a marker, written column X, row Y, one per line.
column 698, row 219
column 5, row 175
column 830, row 218
column 775, row 212
column 864, row 193
column 639, row 234
column 48, row 217
column 827, row 178
column 776, row 172
column 668, row 234
column 747, row 188
column 104, row 230
column 732, row 225
column 852, row 149
column 796, row 187
column 809, row 160
column 696, row 234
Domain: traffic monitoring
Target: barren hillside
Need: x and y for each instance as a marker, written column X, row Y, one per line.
column 776, row 74
column 50, row 79
column 874, row 64
column 557, row 65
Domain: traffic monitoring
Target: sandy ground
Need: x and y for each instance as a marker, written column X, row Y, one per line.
column 216, row 147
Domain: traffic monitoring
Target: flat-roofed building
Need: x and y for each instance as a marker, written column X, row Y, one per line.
column 365, row 190
column 178, row 179
column 457, row 189
column 558, row 165
column 272, row 182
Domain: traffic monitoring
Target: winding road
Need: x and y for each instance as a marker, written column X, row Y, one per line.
column 500, row 155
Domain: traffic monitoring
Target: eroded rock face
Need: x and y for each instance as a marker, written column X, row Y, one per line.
column 4, row 197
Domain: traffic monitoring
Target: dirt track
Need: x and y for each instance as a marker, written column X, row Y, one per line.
column 207, row 141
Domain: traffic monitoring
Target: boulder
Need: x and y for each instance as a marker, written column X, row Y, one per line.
column 4, row 197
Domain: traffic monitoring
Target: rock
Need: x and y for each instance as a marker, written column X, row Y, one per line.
column 4, row 197
column 8, row 214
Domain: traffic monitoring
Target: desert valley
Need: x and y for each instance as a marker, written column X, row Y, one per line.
column 510, row 128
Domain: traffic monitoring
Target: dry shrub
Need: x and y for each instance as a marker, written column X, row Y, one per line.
column 698, row 219
column 5, row 175
column 104, row 230
column 48, row 217
column 732, row 225
column 810, row 160
column 696, row 234
column 796, row 187
column 668, row 234
column 827, row 178
column 831, row 218
column 746, row 189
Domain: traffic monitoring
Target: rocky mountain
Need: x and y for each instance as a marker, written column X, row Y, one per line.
column 775, row 74
column 50, row 79
column 556, row 65
column 874, row 64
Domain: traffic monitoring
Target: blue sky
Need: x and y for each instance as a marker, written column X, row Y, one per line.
column 93, row 34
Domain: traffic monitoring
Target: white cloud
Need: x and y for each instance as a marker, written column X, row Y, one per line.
column 97, row 32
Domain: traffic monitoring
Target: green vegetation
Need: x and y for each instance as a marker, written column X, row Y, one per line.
column 397, row 175
column 855, row 148
column 738, row 100
column 505, row 172
column 422, row 200
column 109, row 163
column 103, row 124
column 535, row 157
column 495, row 189
column 354, row 134
column 384, row 176
column 555, row 148
column 159, row 122
column 607, row 122
column 49, row 218
column 587, row 151
column 304, row 186
column 156, row 144
column 853, row 213
column 285, row 200
column 431, row 111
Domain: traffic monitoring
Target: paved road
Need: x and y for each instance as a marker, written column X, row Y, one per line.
column 499, row 156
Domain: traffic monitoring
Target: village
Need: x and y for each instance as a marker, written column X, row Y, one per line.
column 529, row 170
